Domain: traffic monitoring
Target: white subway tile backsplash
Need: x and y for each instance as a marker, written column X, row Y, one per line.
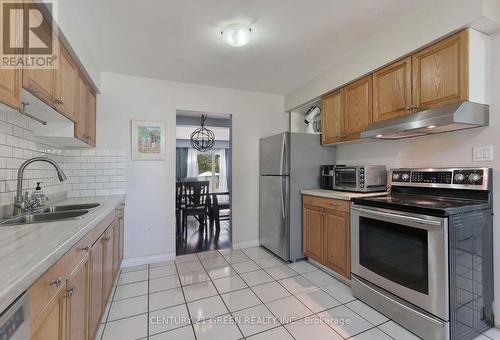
column 90, row 172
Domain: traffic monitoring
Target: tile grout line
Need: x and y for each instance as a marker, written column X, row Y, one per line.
column 186, row 303
column 219, row 294
column 280, row 324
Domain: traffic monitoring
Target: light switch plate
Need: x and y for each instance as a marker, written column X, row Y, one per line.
column 482, row 153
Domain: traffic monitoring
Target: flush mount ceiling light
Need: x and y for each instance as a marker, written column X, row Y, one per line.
column 236, row 35
column 203, row 139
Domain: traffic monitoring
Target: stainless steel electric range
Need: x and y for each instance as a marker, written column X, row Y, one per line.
column 423, row 255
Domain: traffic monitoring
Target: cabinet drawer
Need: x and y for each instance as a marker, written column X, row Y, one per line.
column 328, row 203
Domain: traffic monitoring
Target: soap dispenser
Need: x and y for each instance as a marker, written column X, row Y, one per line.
column 39, row 195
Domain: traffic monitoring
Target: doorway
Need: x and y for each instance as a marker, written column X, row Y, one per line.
column 203, row 183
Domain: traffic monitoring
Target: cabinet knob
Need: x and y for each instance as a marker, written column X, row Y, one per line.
column 107, row 238
column 85, row 249
column 70, row 292
column 56, row 282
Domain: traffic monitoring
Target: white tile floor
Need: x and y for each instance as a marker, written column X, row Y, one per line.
column 237, row 294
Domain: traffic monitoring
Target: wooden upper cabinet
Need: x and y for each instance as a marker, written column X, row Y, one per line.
column 67, row 77
column 337, row 242
column 440, row 74
column 357, row 107
column 11, row 80
column 312, row 232
column 332, row 118
column 91, row 117
column 81, row 110
column 77, row 302
column 41, row 82
column 392, row 93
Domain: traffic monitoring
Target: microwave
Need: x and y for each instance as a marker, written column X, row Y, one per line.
column 363, row 178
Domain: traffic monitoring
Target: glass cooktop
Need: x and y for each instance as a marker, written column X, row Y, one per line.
column 433, row 205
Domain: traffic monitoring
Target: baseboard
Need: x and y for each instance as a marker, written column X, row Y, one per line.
column 246, row 244
column 138, row 261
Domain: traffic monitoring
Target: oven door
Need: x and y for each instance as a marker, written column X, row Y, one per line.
column 403, row 253
column 346, row 178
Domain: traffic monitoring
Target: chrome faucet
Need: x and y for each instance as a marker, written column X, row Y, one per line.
column 22, row 202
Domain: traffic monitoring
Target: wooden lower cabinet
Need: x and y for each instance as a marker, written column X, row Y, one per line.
column 313, row 232
column 326, row 233
column 96, row 293
column 107, row 270
column 337, row 242
column 50, row 323
column 116, row 247
column 71, row 296
column 77, row 302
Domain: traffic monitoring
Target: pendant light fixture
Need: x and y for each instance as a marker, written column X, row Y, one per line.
column 203, row 139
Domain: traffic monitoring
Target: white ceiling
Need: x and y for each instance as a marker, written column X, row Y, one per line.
column 292, row 41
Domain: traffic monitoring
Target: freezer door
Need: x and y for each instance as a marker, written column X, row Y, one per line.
column 273, row 216
column 274, row 155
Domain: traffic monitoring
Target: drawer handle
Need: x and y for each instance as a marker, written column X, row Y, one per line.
column 57, row 282
column 70, row 292
column 85, row 249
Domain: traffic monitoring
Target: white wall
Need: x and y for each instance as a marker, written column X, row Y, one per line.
column 443, row 150
column 403, row 35
column 150, row 211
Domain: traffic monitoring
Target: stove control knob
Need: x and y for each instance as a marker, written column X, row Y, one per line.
column 459, row 177
column 405, row 177
column 474, row 177
column 395, row 177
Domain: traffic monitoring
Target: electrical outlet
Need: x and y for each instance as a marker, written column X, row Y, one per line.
column 482, row 153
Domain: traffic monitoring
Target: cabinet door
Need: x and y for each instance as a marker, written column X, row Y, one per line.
column 50, row 324
column 81, row 110
column 358, row 107
column 332, row 118
column 392, row 91
column 77, row 297
column 116, row 248
column 312, row 234
column 91, row 118
column 108, row 263
column 41, row 82
column 66, row 84
column 440, row 73
column 96, row 285
column 337, row 242
column 10, row 80
column 121, row 221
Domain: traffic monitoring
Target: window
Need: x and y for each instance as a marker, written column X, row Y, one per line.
column 209, row 169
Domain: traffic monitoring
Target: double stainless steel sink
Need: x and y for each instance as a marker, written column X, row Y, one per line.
column 51, row 214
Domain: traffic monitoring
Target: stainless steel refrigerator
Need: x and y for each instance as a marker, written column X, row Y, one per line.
column 289, row 162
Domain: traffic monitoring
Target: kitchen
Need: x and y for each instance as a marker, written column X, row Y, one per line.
column 150, row 282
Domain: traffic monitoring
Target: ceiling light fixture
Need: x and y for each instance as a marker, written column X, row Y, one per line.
column 431, row 126
column 236, row 35
column 379, row 136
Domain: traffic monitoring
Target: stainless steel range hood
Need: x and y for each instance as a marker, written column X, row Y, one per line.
column 458, row 116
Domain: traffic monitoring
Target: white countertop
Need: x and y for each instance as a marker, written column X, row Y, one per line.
column 27, row 251
column 340, row 195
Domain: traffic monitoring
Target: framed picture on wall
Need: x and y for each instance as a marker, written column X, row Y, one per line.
column 148, row 140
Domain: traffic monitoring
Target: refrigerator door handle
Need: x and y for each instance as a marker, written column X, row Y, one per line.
column 283, row 154
column 283, row 197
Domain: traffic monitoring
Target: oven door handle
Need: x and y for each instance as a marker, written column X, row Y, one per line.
column 398, row 216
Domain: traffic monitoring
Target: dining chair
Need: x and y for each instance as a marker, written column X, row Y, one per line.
column 196, row 203
column 220, row 209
